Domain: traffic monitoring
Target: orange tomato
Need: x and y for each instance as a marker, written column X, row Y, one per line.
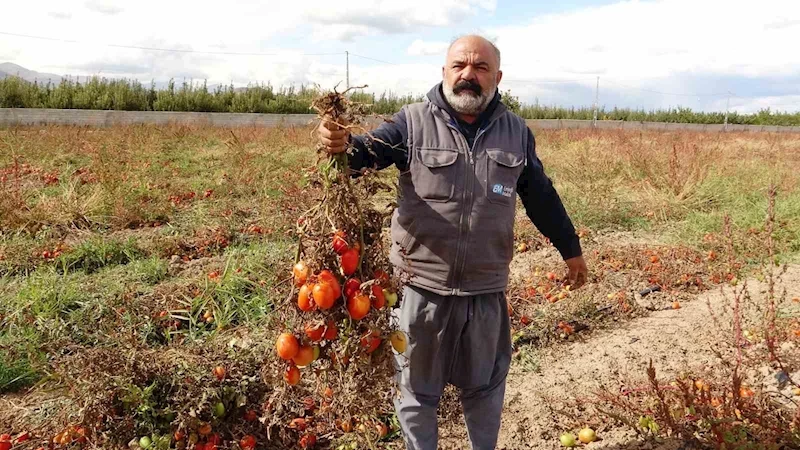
column 323, row 295
column 300, row 272
column 304, row 356
column 179, row 435
column 287, row 346
column 205, row 429
column 358, row 306
column 327, row 276
column 349, row 261
column 304, row 301
column 378, row 299
column 292, row 375
column 330, row 331
column 315, row 331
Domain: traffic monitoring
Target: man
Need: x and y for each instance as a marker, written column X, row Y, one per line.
column 462, row 156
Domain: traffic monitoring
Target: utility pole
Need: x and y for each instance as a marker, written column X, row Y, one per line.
column 596, row 101
column 347, row 55
column 727, row 107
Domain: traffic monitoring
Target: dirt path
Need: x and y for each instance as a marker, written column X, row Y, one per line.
column 673, row 339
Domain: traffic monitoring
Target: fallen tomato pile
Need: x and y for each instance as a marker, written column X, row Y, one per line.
column 337, row 335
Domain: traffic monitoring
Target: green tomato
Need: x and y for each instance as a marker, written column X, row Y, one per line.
column 145, row 442
column 316, row 352
column 391, row 298
column 568, row 440
column 219, row 410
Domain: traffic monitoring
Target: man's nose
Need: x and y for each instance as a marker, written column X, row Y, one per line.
column 468, row 74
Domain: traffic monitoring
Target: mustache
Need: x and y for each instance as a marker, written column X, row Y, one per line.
column 467, row 85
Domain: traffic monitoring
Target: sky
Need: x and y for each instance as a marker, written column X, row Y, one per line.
column 700, row 54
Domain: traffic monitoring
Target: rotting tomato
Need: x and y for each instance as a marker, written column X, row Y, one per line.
column 292, row 375
column 349, row 261
column 287, row 346
column 340, row 242
column 378, row 299
column 315, row 331
column 358, row 306
column 300, row 272
column 351, row 287
column 308, row 441
column 330, row 331
column 323, row 294
column 399, row 341
column 304, row 356
column 304, row 301
column 248, row 442
column 220, row 372
column 299, row 424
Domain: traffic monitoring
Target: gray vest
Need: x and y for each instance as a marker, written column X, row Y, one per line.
column 453, row 229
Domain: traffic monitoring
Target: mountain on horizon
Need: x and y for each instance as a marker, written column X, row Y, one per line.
column 8, row 69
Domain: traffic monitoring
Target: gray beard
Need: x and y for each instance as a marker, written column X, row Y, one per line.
column 467, row 102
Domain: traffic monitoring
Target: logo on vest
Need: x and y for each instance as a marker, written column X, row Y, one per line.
column 502, row 190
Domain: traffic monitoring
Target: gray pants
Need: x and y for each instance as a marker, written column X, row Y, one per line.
column 464, row 341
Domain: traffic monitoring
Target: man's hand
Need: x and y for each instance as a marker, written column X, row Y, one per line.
column 578, row 272
column 333, row 137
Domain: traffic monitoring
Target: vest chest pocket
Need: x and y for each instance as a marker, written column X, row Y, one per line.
column 435, row 176
column 502, row 173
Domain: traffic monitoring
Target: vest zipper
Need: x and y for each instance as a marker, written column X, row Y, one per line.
column 469, row 199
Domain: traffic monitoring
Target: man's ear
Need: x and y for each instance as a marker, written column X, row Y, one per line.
column 443, row 73
column 499, row 76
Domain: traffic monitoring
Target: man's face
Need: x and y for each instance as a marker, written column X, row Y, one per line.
column 470, row 75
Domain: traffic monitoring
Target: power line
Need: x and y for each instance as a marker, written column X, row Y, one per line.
column 159, row 49
column 374, row 59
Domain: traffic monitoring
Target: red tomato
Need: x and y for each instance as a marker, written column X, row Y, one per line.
column 339, row 242
column 251, row 415
column 382, row 276
column 214, row 439
column 358, row 306
column 378, row 299
column 349, row 261
column 351, row 287
column 371, row 341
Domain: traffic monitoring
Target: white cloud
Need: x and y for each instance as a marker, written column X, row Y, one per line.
column 674, row 46
column 423, row 48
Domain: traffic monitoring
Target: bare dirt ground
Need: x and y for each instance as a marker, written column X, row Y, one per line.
column 539, row 404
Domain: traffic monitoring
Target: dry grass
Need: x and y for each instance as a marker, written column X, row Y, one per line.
column 102, row 230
